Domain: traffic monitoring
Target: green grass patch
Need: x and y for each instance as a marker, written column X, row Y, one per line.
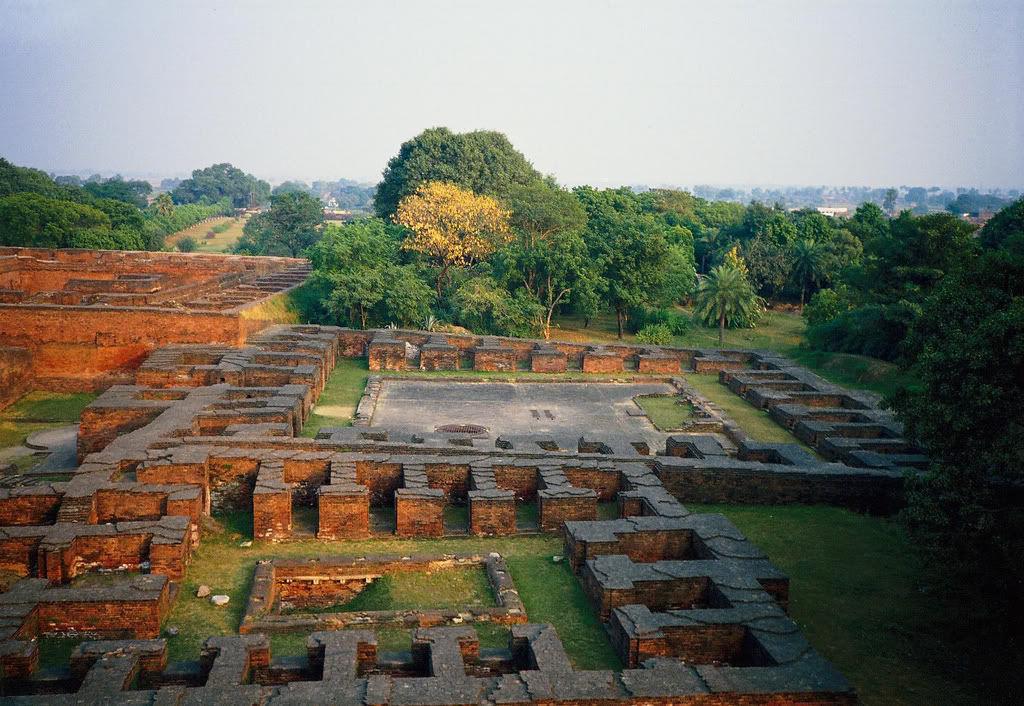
column 526, row 515
column 64, row 407
column 280, row 308
column 666, row 412
column 608, row 511
column 550, row 591
column 338, row 400
column 854, row 593
column 441, row 590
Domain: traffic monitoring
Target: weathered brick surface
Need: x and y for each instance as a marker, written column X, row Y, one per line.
column 344, row 512
column 419, row 513
column 492, row 513
column 15, row 373
column 494, row 359
column 602, row 362
column 554, row 509
column 548, row 360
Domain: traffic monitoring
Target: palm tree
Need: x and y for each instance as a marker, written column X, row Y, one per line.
column 710, row 239
column 725, row 294
column 808, row 266
column 164, row 205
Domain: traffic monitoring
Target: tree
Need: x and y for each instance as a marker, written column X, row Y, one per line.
column 891, row 195
column 633, row 251
column 164, row 205
column 220, row 180
column 1007, row 223
column 482, row 162
column 290, row 226
column 135, row 192
column 809, row 266
column 360, row 280
column 966, row 353
column 452, row 226
column 769, row 263
column 724, row 295
column 16, row 180
column 33, row 220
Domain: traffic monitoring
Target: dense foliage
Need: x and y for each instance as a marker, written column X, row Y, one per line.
column 222, row 181
column 37, row 211
column 292, row 224
column 965, row 348
column 482, row 162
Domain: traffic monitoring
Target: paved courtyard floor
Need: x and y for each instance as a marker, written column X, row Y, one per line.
column 561, row 410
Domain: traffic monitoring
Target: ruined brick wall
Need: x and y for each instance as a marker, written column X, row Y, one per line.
column 15, row 373
column 85, row 348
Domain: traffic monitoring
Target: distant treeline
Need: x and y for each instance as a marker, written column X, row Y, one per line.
column 39, row 211
column 918, row 199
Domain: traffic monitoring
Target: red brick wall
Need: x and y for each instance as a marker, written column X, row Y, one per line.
column 272, row 515
column 343, row 517
column 29, row 510
column 601, row 363
column 419, row 517
column 494, row 360
column 15, row 373
column 554, row 511
column 606, row 483
column 492, row 517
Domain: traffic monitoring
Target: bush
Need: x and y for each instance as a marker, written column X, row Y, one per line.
column 186, row 244
column 826, row 305
column 876, row 331
column 678, row 323
column 655, row 334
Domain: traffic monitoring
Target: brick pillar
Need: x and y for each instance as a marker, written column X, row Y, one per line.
column 419, row 512
column 344, row 512
column 492, row 513
column 557, row 506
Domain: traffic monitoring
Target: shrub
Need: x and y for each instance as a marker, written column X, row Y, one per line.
column 655, row 334
column 678, row 323
column 186, row 244
column 876, row 331
column 826, row 305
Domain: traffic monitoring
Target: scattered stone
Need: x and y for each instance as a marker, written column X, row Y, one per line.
column 247, row 543
column 556, row 558
column 172, row 631
column 219, row 599
column 203, row 592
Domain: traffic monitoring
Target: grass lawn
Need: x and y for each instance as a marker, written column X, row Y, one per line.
column 666, row 412
column 441, row 590
column 338, row 400
column 854, row 593
column 63, row 409
column 220, row 243
column 549, row 590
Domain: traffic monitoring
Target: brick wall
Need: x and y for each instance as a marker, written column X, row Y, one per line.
column 15, row 373
column 419, row 513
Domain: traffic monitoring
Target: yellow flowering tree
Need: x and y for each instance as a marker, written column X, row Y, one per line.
column 453, row 227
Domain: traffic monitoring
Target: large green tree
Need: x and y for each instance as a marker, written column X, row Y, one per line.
column 359, row 278
column 220, row 180
column 291, row 225
column 33, row 220
column 966, row 353
column 483, row 162
column 810, row 266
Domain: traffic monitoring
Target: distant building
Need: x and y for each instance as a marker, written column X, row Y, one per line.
column 833, row 211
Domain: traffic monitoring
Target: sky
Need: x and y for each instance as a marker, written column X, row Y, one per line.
column 606, row 93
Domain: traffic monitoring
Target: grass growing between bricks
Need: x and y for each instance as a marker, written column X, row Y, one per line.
column 441, row 590
column 549, row 590
column 666, row 412
column 756, row 422
column 337, row 403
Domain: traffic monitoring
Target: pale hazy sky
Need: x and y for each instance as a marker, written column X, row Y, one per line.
column 819, row 92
